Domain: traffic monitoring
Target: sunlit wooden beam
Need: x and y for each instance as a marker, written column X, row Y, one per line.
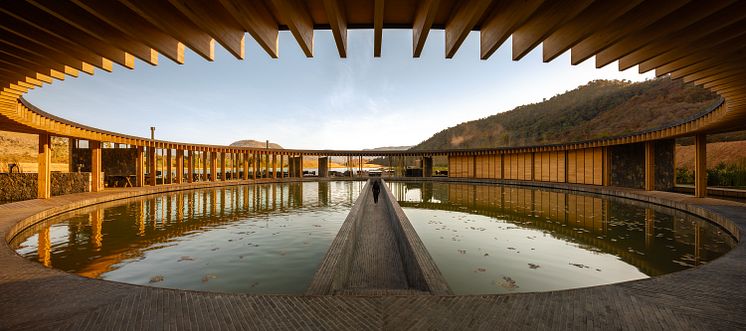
column 505, row 19
column 27, row 59
column 169, row 20
column 714, row 76
column 639, row 17
column 255, row 18
column 423, row 21
column 736, row 77
column 727, row 20
column 377, row 27
column 678, row 20
column 217, row 22
column 596, row 16
column 49, row 29
column 84, row 21
column 544, row 22
column 126, row 21
column 335, row 12
column 463, row 20
column 703, row 59
column 298, row 20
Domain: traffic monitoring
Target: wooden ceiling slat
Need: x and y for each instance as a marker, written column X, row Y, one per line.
column 50, row 29
column 422, row 23
column 505, row 19
column 85, row 21
column 597, row 15
column 702, row 60
column 170, row 21
column 544, row 22
column 295, row 15
column 639, row 17
column 466, row 16
column 378, row 27
column 134, row 26
column 258, row 21
column 338, row 22
column 217, row 22
column 678, row 20
column 725, row 19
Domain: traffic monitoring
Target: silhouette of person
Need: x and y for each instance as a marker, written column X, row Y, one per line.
column 376, row 190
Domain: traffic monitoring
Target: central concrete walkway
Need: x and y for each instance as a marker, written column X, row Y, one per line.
column 709, row 297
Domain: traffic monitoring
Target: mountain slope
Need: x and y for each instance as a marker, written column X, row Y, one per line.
column 598, row 109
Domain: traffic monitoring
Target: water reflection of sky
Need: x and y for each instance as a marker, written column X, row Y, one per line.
column 488, row 239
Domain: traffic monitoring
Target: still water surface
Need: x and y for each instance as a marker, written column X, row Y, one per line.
column 270, row 238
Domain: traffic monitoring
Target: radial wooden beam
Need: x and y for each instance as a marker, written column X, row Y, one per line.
column 299, row 21
column 463, row 20
column 26, row 61
column 701, row 60
column 717, row 40
column 727, row 19
column 72, row 65
column 505, row 19
column 597, row 15
column 377, row 27
column 335, row 12
column 126, row 21
column 255, row 18
column 169, row 20
column 49, row 29
column 423, row 21
column 715, row 73
column 85, row 21
column 640, row 17
column 678, row 20
column 544, row 22
column 216, row 21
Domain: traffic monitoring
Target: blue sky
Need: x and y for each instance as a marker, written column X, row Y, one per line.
column 323, row 102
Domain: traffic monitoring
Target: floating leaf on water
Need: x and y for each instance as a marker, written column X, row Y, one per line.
column 511, row 248
column 207, row 278
column 214, row 249
column 533, row 266
column 186, row 258
column 579, row 265
column 462, row 251
column 480, row 270
column 486, row 254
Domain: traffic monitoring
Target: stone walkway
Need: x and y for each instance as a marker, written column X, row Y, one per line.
column 709, row 297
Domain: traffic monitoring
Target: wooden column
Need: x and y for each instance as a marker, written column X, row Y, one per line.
column 254, row 163
column 179, row 166
column 140, row 167
column 245, row 166
column 190, row 167
column 213, row 166
column 274, row 165
column 700, row 166
column 649, row 166
column 151, row 165
column 222, row 166
column 97, row 184
column 169, row 175
column 282, row 166
column 300, row 166
column 205, row 166
column 72, row 144
column 44, row 188
column 266, row 165
column 606, row 166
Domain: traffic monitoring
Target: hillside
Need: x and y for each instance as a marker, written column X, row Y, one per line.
column 601, row 108
column 254, row 144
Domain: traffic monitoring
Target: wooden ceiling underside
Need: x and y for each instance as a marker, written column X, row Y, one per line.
column 703, row 42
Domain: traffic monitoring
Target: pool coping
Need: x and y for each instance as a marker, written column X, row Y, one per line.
column 712, row 296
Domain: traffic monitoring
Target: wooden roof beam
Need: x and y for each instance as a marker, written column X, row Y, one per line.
column 696, row 70
column 298, row 20
column 255, row 18
column 641, row 16
column 736, row 77
column 505, row 19
column 94, row 26
column 715, row 40
column 596, row 16
column 680, row 19
column 122, row 18
column 683, row 39
column 18, row 45
column 716, row 76
column 714, row 72
column 423, row 21
column 463, row 20
column 335, row 12
column 30, row 37
column 169, row 20
column 377, row 27
column 217, row 22
column 49, row 29
column 544, row 22
column 702, row 60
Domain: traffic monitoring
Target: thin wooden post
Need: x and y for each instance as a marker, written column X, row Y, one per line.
column 151, row 165
column 190, row 167
column 222, row 166
column 140, row 167
column 169, row 175
column 96, row 178
column 44, row 189
column 700, row 166
column 245, row 166
column 274, row 165
column 179, row 166
column 649, row 166
column 205, row 165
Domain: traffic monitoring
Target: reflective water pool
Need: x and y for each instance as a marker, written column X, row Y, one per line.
column 266, row 238
column 270, row 238
column 495, row 239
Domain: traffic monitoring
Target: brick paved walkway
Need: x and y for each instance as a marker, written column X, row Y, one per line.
column 712, row 296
